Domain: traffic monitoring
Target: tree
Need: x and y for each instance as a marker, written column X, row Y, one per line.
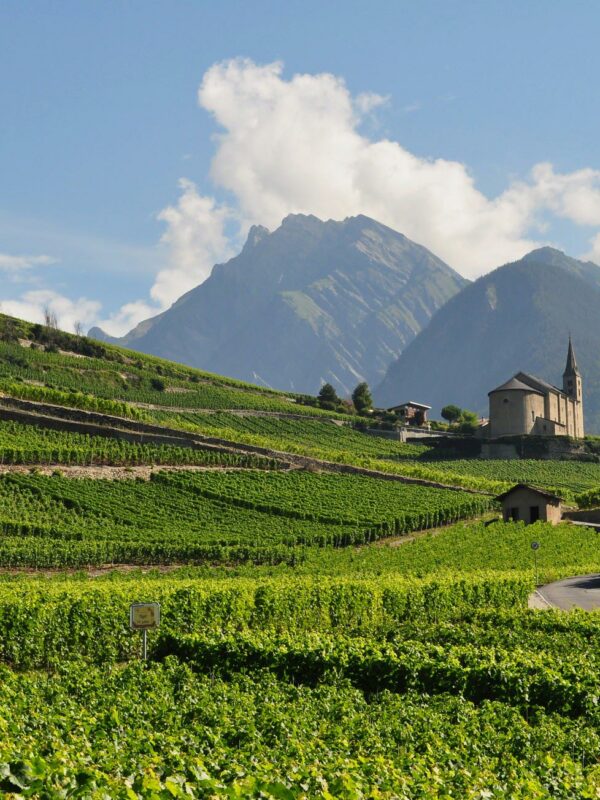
column 50, row 318
column 8, row 330
column 451, row 413
column 78, row 328
column 361, row 397
column 328, row 397
column 469, row 421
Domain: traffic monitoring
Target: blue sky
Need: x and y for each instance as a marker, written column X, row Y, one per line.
column 100, row 121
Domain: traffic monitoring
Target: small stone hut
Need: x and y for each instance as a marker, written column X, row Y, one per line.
column 529, row 504
column 411, row 413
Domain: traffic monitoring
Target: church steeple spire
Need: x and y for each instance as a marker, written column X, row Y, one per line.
column 573, row 388
column 571, row 368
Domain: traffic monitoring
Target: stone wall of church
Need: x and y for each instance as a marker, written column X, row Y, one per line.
column 514, row 412
column 551, row 406
column 570, row 417
column 562, row 410
column 548, row 427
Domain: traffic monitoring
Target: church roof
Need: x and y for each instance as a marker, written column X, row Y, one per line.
column 515, row 385
column 537, row 383
column 548, row 495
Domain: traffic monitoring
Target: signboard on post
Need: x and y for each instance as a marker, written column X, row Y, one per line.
column 535, row 546
column 144, row 617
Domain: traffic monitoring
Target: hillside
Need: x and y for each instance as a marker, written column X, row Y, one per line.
column 310, row 302
column 334, row 623
column 517, row 317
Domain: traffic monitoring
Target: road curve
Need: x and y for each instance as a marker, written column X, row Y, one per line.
column 582, row 591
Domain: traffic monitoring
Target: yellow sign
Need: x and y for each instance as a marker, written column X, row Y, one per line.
column 144, row 616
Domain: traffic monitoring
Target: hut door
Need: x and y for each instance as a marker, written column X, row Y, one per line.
column 534, row 513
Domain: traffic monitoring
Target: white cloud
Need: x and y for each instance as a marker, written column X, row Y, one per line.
column 127, row 317
column 369, row 101
column 195, row 239
column 594, row 253
column 294, row 146
column 31, row 306
column 14, row 264
column 574, row 196
column 297, row 146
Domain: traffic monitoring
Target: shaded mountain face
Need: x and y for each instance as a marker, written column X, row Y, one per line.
column 517, row 318
column 311, row 302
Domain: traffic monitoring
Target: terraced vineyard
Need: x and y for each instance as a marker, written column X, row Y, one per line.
column 30, row 444
column 197, row 518
column 468, row 547
column 309, row 648
column 113, row 375
column 335, row 438
column 565, row 477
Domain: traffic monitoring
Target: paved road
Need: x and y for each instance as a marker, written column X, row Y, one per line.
column 583, row 591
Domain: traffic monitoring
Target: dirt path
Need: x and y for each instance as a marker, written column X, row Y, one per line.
column 112, row 473
column 238, row 412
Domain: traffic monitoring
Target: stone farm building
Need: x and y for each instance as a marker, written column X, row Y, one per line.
column 411, row 413
column 530, row 504
column 528, row 405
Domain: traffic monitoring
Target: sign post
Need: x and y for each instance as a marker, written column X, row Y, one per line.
column 535, row 546
column 144, row 617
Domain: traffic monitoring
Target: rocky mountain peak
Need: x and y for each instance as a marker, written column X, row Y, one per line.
column 311, row 301
column 256, row 234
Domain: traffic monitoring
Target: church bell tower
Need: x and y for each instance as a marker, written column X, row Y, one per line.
column 573, row 387
column 572, row 384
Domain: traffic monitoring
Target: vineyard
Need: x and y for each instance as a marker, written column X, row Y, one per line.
column 208, row 517
column 102, row 384
column 565, row 477
column 29, row 444
column 324, row 634
column 316, row 437
column 298, row 688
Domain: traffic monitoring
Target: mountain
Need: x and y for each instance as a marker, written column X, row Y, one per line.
column 516, row 318
column 311, row 302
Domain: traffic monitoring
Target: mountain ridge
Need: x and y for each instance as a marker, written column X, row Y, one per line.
column 517, row 317
column 310, row 302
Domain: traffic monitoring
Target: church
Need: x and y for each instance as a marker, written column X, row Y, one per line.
column 528, row 405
